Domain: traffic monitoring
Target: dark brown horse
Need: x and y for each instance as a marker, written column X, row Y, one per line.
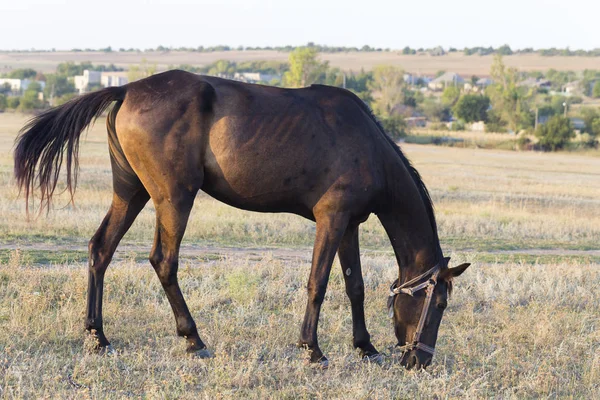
column 317, row 152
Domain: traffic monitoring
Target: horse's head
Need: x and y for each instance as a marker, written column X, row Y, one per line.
column 418, row 306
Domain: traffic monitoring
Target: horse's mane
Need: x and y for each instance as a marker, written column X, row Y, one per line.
column 425, row 196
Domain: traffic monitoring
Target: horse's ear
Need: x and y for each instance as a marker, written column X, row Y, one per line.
column 450, row 273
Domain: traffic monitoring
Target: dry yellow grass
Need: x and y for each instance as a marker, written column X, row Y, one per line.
column 485, row 200
column 423, row 64
column 513, row 329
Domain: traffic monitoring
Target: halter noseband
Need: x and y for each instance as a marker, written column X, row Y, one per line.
column 406, row 288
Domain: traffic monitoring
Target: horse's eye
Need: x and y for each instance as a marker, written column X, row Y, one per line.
column 442, row 306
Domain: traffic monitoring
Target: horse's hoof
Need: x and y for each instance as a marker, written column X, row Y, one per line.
column 321, row 363
column 107, row 351
column 377, row 358
column 202, row 353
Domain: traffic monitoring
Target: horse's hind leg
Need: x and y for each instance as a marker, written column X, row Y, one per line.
column 128, row 200
column 172, row 215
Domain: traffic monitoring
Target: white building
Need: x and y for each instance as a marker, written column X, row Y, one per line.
column 253, row 77
column 104, row 79
column 445, row 80
column 82, row 82
column 112, row 80
column 19, row 85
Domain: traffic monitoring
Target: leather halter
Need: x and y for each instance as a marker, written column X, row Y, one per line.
column 406, row 288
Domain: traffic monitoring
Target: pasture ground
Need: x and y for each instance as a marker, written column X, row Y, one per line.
column 416, row 64
column 523, row 321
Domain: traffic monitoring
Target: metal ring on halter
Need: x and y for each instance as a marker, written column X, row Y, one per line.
column 430, row 286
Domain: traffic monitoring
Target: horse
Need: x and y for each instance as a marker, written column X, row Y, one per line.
column 317, row 152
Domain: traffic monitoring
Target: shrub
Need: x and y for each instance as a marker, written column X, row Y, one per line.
column 494, row 123
column 523, row 142
column 13, row 102
column 472, row 108
column 458, row 126
column 395, row 126
column 596, row 90
column 555, row 134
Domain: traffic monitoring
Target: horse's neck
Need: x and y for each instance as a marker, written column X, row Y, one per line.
column 416, row 246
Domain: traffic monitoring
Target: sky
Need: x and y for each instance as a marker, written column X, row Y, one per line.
column 67, row 24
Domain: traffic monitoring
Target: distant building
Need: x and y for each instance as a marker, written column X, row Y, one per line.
column 573, row 88
column 15, row 84
column 18, row 86
column 484, row 82
column 578, row 123
column 478, row 126
column 414, row 80
column 478, row 86
column 416, row 122
column 104, row 79
column 89, row 78
column 536, row 83
column 255, row 77
column 445, row 80
column 113, row 80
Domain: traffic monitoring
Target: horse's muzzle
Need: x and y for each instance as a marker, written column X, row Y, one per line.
column 416, row 359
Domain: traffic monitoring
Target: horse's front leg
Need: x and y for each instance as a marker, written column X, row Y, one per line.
column 330, row 229
column 349, row 255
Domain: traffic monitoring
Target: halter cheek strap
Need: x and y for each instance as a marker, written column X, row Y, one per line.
column 405, row 288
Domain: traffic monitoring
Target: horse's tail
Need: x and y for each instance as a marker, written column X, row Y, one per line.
column 41, row 144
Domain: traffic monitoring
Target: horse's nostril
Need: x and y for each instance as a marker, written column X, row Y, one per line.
column 414, row 361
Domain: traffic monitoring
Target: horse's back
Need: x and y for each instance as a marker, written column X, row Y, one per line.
column 251, row 146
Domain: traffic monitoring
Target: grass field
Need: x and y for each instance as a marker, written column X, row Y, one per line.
column 523, row 321
column 418, row 64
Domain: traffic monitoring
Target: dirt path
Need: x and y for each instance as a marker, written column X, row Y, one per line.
column 302, row 254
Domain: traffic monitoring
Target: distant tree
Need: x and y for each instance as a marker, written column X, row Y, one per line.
column 71, row 69
column 555, row 134
column 591, row 119
column 394, row 125
column 222, row 67
column 359, row 82
column 494, row 122
column 5, row 88
column 22, row 73
column 450, row 95
column 472, row 108
column 13, row 102
column 30, row 100
column 3, row 102
column 57, row 86
column 504, row 50
column 334, row 77
column 596, row 90
column 141, row 71
column 435, row 111
column 387, row 87
column 305, row 68
column 507, row 98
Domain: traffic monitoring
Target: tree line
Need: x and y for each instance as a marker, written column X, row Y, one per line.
column 504, row 50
